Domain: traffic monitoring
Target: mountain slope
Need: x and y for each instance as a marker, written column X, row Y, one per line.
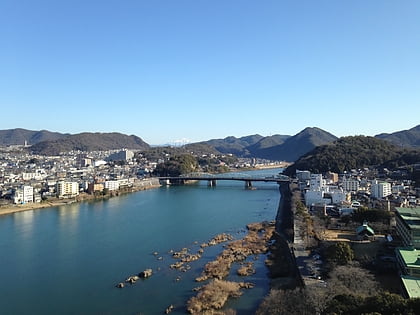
column 277, row 147
column 404, row 138
column 18, row 136
column 90, row 142
column 237, row 146
column 299, row 144
column 351, row 153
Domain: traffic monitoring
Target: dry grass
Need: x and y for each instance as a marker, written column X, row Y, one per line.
column 214, row 296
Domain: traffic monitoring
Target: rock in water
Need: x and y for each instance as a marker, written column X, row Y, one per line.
column 146, row 274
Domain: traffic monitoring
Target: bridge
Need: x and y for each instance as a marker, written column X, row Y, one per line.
column 212, row 178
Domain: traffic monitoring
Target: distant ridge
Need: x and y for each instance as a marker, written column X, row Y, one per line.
column 90, row 142
column 354, row 152
column 233, row 145
column 277, row 147
column 18, row 136
column 299, row 144
column 404, row 138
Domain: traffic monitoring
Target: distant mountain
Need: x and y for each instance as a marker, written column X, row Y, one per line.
column 90, row 142
column 353, row 153
column 404, row 138
column 237, row 146
column 18, row 136
column 277, row 147
column 294, row 147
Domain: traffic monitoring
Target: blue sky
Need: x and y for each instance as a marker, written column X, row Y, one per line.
column 197, row 70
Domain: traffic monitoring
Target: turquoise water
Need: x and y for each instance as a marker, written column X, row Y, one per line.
column 68, row 259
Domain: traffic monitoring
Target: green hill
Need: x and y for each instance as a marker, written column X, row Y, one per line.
column 18, row 136
column 90, row 142
column 353, row 153
column 404, row 138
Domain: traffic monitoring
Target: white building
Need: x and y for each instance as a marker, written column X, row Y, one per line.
column 339, row 196
column 380, row 190
column 316, row 197
column 112, row 185
column 317, row 182
column 351, row 185
column 123, row 155
column 23, row 194
column 67, row 189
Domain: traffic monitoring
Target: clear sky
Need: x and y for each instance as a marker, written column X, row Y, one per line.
column 203, row 69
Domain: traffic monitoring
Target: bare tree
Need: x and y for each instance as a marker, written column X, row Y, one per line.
column 351, row 279
column 286, row 302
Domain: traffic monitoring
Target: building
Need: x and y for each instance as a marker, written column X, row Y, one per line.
column 112, row 185
column 317, row 182
column 331, row 177
column 95, row 187
column 408, row 259
column 23, row 194
column 123, row 155
column 350, row 185
column 365, row 232
column 411, row 286
column 380, row 190
column 67, row 189
column 303, row 175
column 408, row 226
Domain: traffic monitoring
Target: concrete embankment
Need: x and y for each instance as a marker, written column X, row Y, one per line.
column 284, row 271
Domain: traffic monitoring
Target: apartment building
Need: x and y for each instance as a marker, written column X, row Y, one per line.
column 67, row 189
column 408, row 226
column 380, row 190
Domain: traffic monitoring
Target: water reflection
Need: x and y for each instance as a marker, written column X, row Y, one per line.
column 24, row 223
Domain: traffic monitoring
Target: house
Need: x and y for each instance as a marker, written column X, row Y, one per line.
column 365, row 232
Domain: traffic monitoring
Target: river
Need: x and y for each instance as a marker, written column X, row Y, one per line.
column 68, row 259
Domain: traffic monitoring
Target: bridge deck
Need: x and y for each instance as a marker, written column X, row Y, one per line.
column 244, row 179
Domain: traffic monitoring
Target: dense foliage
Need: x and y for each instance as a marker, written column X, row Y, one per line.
column 177, row 165
column 371, row 215
column 352, row 153
column 340, row 253
column 383, row 303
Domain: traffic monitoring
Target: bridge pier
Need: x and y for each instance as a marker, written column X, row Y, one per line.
column 211, row 183
column 248, row 184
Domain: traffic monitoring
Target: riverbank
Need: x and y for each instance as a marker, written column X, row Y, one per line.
column 56, row 202
column 281, row 261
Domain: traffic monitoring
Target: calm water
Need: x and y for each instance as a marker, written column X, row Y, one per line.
column 67, row 260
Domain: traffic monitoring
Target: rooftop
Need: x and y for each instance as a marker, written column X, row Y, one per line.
column 410, row 255
column 411, row 216
column 412, row 286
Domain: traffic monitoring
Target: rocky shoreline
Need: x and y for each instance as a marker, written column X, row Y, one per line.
column 264, row 237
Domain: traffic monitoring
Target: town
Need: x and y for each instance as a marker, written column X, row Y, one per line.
column 374, row 210
column 28, row 179
column 377, row 212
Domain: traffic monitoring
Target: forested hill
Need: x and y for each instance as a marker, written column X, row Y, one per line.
column 353, row 153
column 404, row 138
column 90, row 142
column 18, row 136
column 294, row 147
column 276, row 147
